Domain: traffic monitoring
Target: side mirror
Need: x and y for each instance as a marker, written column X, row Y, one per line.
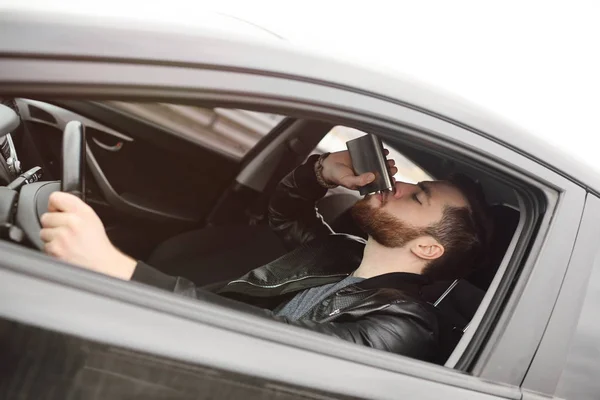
column 9, row 120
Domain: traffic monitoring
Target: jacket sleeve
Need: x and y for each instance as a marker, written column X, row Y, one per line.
column 292, row 211
column 408, row 331
column 409, row 335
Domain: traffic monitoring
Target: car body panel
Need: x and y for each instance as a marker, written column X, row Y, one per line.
column 568, row 360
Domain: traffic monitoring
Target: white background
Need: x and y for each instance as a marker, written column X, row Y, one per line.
column 536, row 63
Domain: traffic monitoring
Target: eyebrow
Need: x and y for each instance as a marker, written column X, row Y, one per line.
column 426, row 189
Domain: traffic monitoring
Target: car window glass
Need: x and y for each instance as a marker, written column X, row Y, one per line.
column 336, row 140
column 230, row 131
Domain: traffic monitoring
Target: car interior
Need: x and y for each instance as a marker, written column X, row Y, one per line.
column 186, row 200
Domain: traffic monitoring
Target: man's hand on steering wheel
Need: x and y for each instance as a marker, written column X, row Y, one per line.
column 72, row 232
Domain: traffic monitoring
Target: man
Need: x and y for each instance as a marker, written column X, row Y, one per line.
column 332, row 283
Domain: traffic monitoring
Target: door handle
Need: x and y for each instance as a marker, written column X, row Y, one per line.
column 114, row 148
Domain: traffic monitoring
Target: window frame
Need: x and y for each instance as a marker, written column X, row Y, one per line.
column 284, row 95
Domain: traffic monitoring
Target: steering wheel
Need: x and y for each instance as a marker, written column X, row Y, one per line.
column 33, row 198
column 73, row 159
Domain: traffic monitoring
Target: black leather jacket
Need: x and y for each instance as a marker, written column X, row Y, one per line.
column 385, row 312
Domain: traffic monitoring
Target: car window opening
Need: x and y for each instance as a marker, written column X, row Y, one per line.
column 198, row 213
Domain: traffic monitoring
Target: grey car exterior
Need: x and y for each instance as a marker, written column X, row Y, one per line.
column 546, row 341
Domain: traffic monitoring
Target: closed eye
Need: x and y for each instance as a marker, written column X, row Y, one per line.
column 415, row 198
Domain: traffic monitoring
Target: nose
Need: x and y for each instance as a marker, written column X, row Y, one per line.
column 401, row 189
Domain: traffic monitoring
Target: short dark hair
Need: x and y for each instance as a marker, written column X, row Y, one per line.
column 464, row 232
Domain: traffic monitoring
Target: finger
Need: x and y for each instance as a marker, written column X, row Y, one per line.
column 49, row 234
column 61, row 201
column 53, row 248
column 393, row 171
column 386, row 152
column 391, row 163
column 353, row 182
column 55, row 219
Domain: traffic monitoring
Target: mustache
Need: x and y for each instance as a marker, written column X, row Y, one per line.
column 382, row 196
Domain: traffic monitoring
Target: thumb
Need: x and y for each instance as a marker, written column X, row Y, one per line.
column 354, row 182
column 61, row 201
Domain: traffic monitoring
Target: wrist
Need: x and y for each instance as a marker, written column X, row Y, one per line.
column 320, row 173
column 120, row 265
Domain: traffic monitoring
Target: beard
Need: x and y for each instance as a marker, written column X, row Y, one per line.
column 383, row 227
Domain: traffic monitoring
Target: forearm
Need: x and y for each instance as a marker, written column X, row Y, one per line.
column 292, row 211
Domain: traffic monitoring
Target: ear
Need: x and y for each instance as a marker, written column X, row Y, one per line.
column 427, row 248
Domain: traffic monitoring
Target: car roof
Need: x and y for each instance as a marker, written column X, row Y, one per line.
column 166, row 18
column 225, row 46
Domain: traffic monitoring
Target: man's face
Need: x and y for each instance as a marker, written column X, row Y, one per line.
column 393, row 219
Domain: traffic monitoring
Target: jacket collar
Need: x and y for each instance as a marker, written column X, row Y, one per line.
column 404, row 281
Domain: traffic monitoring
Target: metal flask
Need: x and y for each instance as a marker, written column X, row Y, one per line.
column 366, row 153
